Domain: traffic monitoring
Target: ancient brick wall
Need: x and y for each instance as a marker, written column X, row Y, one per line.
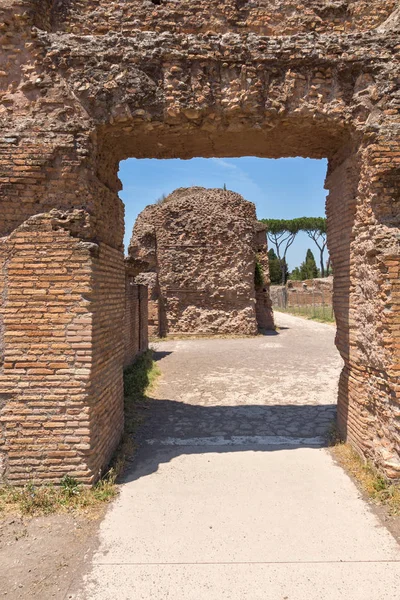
column 203, row 244
column 143, row 319
column 368, row 337
column 131, row 321
column 310, row 292
column 107, row 305
column 155, row 317
column 264, row 312
column 46, row 352
column 136, row 320
column 89, row 87
column 264, row 17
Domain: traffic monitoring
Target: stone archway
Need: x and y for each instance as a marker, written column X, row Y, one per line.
column 78, row 96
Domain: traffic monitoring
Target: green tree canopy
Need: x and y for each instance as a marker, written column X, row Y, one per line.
column 295, row 274
column 275, row 273
column 315, row 227
column 308, row 268
column 282, row 233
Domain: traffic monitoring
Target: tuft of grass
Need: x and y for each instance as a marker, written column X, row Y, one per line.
column 333, row 436
column 379, row 489
column 139, row 380
column 70, row 495
column 34, row 500
column 322, row 314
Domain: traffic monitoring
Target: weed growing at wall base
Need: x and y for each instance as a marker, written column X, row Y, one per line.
column 322, row 314
column 139, row 380
column 34, row 499
column 70, row 495
column 377, row 487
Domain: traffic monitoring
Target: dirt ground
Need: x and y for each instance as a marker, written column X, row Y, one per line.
column 40, row 556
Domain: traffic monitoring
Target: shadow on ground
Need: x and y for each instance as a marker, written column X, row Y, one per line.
column 173, row 428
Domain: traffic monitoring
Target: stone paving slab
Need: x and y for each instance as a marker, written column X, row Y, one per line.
column 275, row 385
column 232, row 494
column 244, row 524
column 309, row 581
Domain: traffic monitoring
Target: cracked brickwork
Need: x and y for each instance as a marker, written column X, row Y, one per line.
column 203, row 245
column 84, row 85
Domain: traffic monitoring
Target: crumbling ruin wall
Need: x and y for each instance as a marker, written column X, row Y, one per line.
column 83, row 86
column 264, row 17
column 135, row 321
column 203, row 244
column 309, row 292
column 157, row 326
column 264, row 312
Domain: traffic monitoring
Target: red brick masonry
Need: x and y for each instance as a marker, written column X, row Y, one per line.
column 85, row 84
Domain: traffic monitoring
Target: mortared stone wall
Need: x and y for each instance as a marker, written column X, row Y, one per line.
column 203, row 245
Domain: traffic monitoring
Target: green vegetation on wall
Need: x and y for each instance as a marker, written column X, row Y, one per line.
column 258, row 275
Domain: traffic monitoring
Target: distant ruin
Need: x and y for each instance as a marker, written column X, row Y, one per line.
column 308, row 292
column 199, row 249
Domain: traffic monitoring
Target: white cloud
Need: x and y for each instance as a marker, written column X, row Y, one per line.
column 223, row 163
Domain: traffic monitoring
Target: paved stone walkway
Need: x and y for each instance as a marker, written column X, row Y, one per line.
column 232, row 494
column 277, row 385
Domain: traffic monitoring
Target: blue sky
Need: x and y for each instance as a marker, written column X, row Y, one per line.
column 285, row 188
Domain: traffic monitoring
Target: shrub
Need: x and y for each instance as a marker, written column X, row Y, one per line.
column 258, row 275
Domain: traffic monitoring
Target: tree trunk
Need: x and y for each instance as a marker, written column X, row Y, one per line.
column 283, row 271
